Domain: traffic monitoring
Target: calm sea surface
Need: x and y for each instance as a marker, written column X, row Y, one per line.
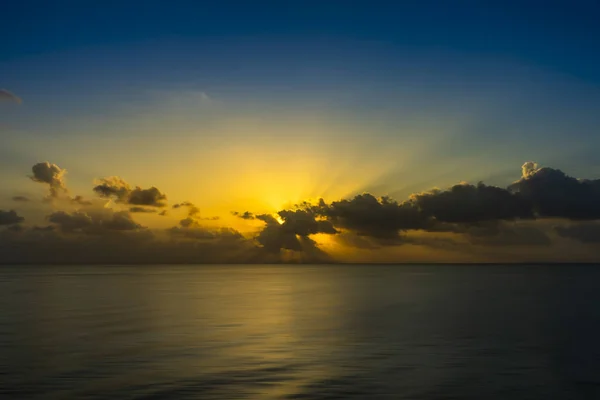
column 300, row 332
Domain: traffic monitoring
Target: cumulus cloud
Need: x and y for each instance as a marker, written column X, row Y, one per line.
column 10, row 217
column 552, row 193
column 529, row 169
column 115, row 187
column 52, row 175
column 7, row 96
column 147, row 197
column 293, row 232
column 370, row 216
column 466, row 203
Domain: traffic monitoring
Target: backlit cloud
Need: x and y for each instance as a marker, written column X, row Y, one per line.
column 52, row 175
column 116, row 188
column 544, row 206
column 10, row 217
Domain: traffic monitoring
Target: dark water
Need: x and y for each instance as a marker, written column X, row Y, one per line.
column 303, row 332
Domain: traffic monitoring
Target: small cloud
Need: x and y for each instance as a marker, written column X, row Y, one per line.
column 141, row 210
column 193, row 211
column 115, row 187
column 10, row 217
column 244, row 215
column 8, row 96
column 81, row 201
column 52, row 175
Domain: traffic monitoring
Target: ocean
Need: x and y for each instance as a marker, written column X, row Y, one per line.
column 300, row 332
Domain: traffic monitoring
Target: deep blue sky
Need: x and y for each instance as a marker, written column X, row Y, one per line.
column 563, row 35
column 560, row 34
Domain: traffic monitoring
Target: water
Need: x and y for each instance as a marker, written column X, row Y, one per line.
column 300, row 332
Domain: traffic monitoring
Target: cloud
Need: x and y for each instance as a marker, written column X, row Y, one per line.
column 93, row 221
column 199, row 232
column 10, row 217
column 504, row 234
column 293, row 232
column 52, row 175
column 71, row 222
column 461, row 218
column 370, row 216
column 245, row 215
column 138, row 209
column 552, row 193
column 147, row 197
column 22, row 199
column 466, row 203
column 7, row 96
column 81, row 201
column 115, row 187
column 193, row 211
column 529, row 169
column 188, row 222
column 585, row 232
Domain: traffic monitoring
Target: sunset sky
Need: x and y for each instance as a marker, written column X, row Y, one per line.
column 336, row 131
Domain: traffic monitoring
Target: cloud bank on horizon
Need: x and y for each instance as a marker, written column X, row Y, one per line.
column 545, row 209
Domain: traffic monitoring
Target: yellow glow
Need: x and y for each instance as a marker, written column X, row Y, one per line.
column 279, row 219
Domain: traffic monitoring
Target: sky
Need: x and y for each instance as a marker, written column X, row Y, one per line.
column 192, row 132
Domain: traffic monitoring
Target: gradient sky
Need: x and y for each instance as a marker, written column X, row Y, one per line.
column 257, row 106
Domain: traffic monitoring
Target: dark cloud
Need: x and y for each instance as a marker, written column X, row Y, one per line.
column 552, row 193
column 585, row 232
column 199, row 233
column 22, row 199
column 81, row 201
column 93, row 221
column 138, row 209
column 52, row 175
column 293, row 232
column 8, row 96
column 505, row 234
column 147, row 197
column 245, row 215
column 10, row 217
column 188, row 222
column 121, row 191
column 144, row 247
column 466, row 203
column 71, row 222
column 367, row 215
column 193, row 211
column 113, row 187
